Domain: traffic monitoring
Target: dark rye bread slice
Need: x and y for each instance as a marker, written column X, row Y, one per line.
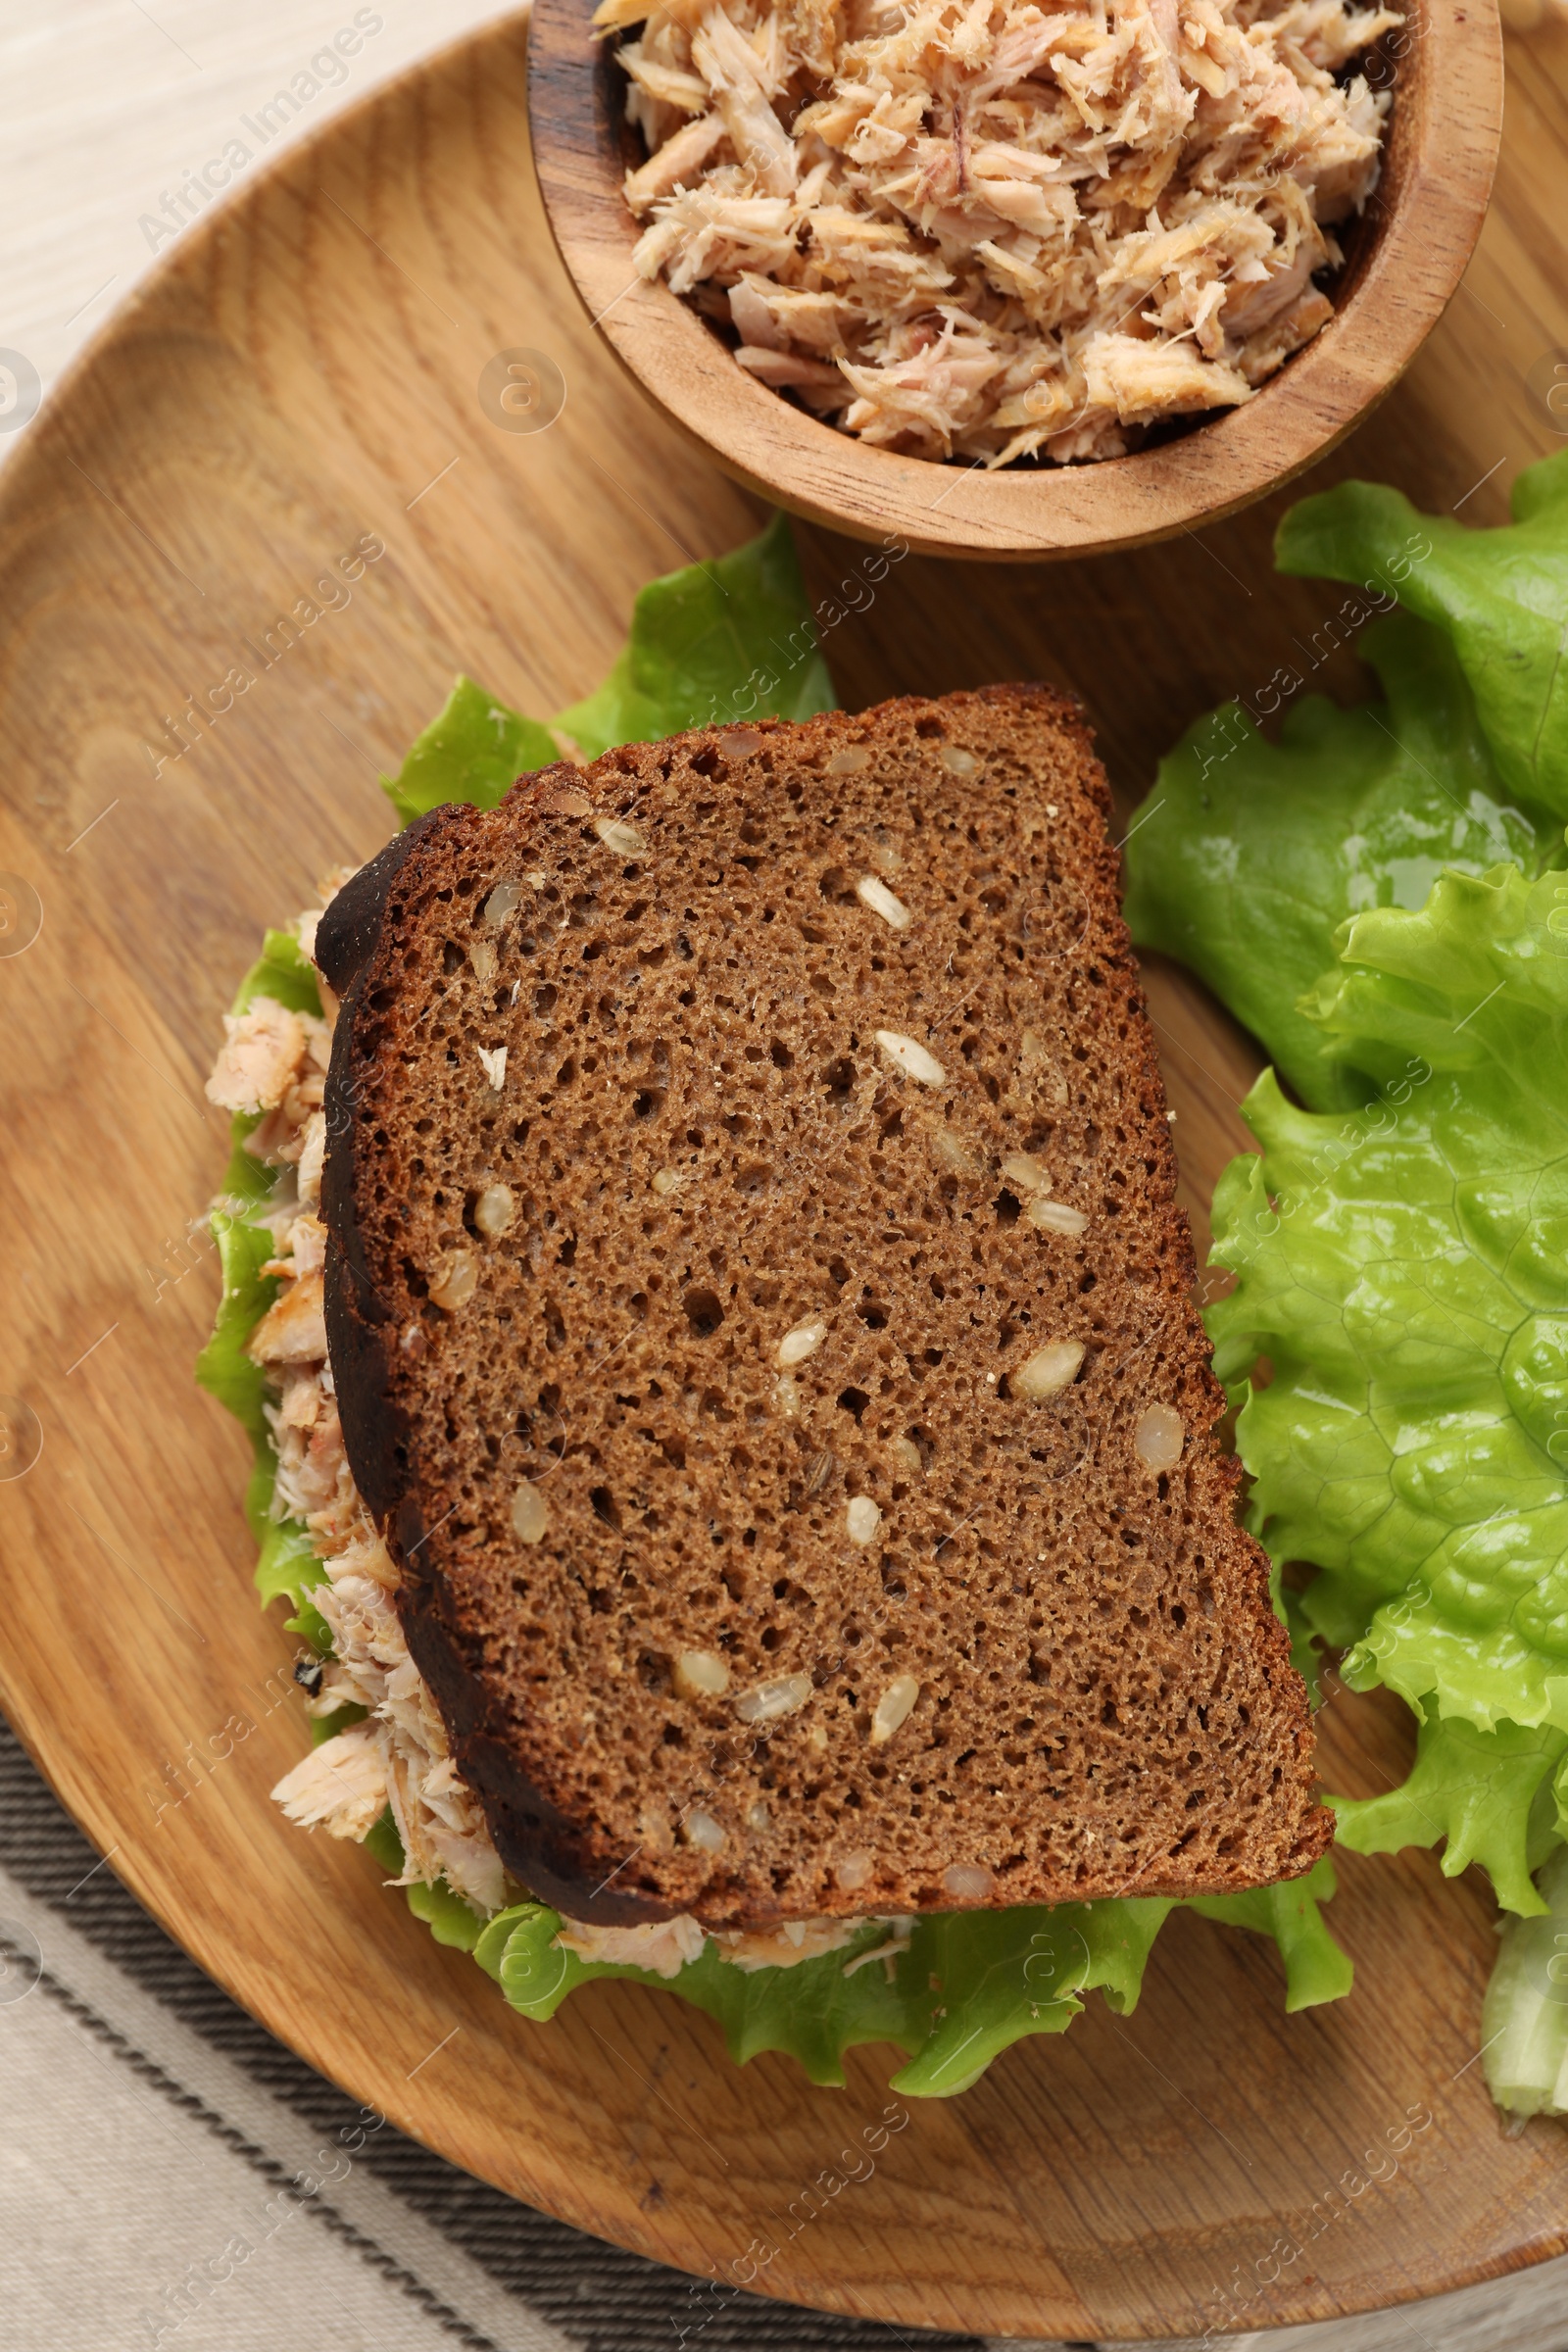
column 687, row 952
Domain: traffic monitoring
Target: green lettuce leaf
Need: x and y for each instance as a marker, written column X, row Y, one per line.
column 1403, row 1267
column 286, row 1563
column 813, row 2012
column 716, row 643
column 976, row 1982
column 1524, row 2019
column 1317, row 1970
column 1247, row 856
column 968, row 1984
column 446, row 1916
column 1491, row 1795
column 383, row 1845
column 284, row 972
column 1306, row 1647
column 222, row 1367
column 1404, row 1272
column 1501, row 596
column 474, row 750
column 287, row 1566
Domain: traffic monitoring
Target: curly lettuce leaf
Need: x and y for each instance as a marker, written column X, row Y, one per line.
column 1501, row 595
column 718, row 641
column 1491, row 1796
column 966, row 1987
column 1247, row 856
column 287, row 1567
column 1404, row 1271
column 814, row 2010
column 284, row 972
column 382, row 1842
column 1312, row 1296
column 1307, row 1648
column 976, row 1982
column 1404, row 1268
column 1524, row 2019
column 450, row 1920
column 1316, row 1968
column 222, row 1367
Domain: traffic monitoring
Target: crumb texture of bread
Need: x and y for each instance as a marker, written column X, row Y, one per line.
column 763, row 1327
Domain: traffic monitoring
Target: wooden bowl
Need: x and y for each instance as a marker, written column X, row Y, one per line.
column 1405, row 260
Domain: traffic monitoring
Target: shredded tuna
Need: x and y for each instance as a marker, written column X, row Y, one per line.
column 666, row 1947
column 438, row 1819
column 293, row 1330
column 663, row 1949
column 994, row 229
column 264, row 1052
column 786, row 1946
column 340, row 1787
column 275, row 1061
column 897, row 1940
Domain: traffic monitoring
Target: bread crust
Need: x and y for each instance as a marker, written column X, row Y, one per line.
column 445, row 1523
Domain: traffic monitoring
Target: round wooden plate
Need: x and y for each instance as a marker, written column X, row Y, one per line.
column 309, row 378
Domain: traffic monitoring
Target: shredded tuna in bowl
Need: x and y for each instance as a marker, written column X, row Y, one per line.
column 990, row 230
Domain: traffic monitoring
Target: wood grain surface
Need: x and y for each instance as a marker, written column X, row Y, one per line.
column 1403, row 260
column 305, row 378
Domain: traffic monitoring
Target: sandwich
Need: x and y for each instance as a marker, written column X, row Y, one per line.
column 742, row 1452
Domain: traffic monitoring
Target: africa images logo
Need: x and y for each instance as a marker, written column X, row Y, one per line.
column 326, row 70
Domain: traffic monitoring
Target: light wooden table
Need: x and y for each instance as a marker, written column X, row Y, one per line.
column 109, row 110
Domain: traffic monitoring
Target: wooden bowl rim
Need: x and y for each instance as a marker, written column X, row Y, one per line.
column 1445, row 140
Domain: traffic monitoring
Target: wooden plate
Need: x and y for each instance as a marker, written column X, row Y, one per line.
column 304, row 380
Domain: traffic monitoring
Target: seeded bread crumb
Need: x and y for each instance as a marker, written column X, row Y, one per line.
column 762, row 1328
